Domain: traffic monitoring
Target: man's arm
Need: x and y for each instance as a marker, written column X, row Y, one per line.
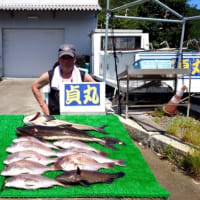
column 88, row 78
column 36, row 86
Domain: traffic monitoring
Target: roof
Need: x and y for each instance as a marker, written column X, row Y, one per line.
column 84, row 5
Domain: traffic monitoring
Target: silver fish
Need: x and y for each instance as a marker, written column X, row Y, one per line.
column 33, row 139
column 31, row 182
column 25, row 167
column 68, row 144
column 49, row 120
column 84, row 162
column 93, row 155
column 86, row 178
column 29, row 155
column 27, row 145
column 66, row 132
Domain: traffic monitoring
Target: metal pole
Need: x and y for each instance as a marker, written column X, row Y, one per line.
column 168, row 8
column 192, row 18
column 149, row 19
column 106, row 41
column 181, row 45
column 189, row 96
column 180, row 66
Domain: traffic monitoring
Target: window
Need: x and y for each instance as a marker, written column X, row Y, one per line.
column 122, row 43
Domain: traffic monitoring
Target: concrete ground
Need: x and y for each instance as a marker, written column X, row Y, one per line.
column 17, row 98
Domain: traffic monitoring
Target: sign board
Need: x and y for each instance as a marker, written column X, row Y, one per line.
column 169, row 60
column 82, row 98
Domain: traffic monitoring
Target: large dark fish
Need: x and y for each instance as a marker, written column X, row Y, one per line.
column 49, row 120
column 31, row 182
column 66, row 132
column 86, row 178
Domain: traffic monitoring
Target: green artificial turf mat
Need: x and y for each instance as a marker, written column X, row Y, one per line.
column 137, row 182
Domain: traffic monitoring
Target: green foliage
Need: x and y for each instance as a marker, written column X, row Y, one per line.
column 158, row 112
column 191, row 164
column 185, row 128
column 158, row 31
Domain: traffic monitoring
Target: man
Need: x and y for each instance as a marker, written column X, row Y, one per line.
column 65, row 71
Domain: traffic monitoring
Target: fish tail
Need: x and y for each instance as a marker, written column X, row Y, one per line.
column 109, row 142
column 101, row 129
column 109, row 165
column 119, row 174
column 120, row 162
column 55, row 166
column 63, row 185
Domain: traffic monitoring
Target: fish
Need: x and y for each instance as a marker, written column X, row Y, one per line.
column 33, row 139
column 32, row 182
column 84, row 162
column 25, row 167
column 93, row 155
column 73, row 150
column 28, row 145
column 68, row 144
column 29, row 155
column 86, row 178
column 66, row 132
column 49, row 120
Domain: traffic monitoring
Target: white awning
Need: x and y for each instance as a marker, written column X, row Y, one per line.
column 84, row 5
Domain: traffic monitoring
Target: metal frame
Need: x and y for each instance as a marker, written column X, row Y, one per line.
column 182, row 21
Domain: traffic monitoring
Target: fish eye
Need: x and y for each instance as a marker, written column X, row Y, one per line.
column 36, row 130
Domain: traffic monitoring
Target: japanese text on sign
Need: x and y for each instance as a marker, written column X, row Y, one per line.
column 82, row 94
column 189, row 63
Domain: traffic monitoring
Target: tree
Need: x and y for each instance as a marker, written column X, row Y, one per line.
column 158, row 31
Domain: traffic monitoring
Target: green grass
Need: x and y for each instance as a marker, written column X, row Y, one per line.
column 185, row 128
column 158, row 112
column 191, row 164
column 188, row 130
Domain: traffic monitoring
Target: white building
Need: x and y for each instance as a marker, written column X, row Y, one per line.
column 32, row 30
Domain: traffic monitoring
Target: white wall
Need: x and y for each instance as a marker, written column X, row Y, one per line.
column 76, row 25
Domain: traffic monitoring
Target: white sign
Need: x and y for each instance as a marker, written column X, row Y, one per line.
column 82, row 98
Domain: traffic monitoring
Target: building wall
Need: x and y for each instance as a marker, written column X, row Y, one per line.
column 76, row 25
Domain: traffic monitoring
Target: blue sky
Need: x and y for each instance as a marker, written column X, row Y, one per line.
column 195, row 2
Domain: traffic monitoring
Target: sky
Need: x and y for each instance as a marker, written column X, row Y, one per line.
column 195, row 2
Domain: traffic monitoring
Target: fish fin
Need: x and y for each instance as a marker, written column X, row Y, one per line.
column 35, row 117
column 101, row 129
column 109, row 142
column 4, row 185
column 103, row 153
column 84, row 183
column 109, row 181
column 117, row 175
column 49, row 118
column 65, row 125
column 78, row 171
column 120, row 162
